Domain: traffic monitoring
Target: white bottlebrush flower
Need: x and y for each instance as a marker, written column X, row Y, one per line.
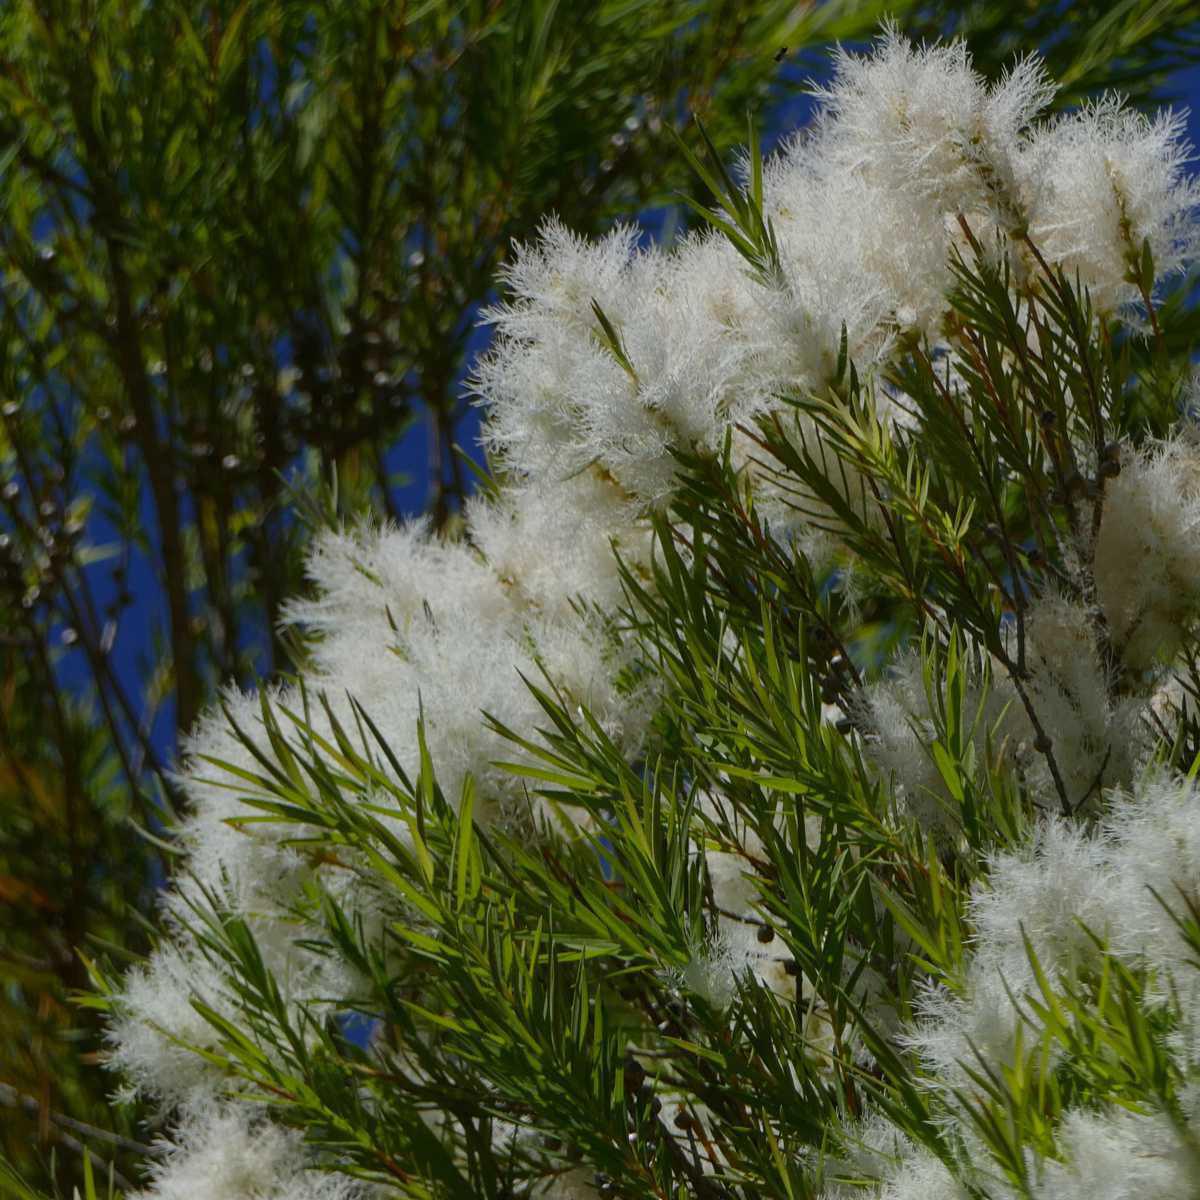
column 1095, row 739
column 157, row 1028
column 922, row 121
column 922, row 1176
column 231, row 1153
column 1120, row 1155
column 871, row 1147
column 1050, row 891
column 1067, row 883
column 876, row 1149
column 563, row 399
column 155, row 1024
column 854, row 257
column 1101, row 182
column 898, row 716
column 415, row 626
column 714, row 970
column 769, row 963
column 250, row 872
column 1147, row 552
column 560, row 398
column 1154, row 835
column 553, row 542
column 1056, row 889
column 955, row 1034
column 1062, row 889
column 718, row 369
column 735, row 955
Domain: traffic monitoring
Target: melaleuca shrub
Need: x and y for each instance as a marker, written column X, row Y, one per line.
column 781, row 785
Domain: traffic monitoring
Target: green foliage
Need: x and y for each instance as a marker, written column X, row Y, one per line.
column 65, row 810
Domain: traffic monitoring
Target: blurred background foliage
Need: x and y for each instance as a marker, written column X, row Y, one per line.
column 242, row 250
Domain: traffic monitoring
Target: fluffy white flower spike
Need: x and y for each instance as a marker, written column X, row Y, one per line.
column 1147, row 554
column 1102, row 182
column 921, row 120
column 1120, row 1155
column 232, row 1154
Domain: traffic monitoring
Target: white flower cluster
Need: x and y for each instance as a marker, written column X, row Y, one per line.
column 410, row 626
column 583, row 414
column 1066, row 715
column 1147, row 554
column 897, row 714
column 1144, row 565
column 1069, row 884
column 228, row 1155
